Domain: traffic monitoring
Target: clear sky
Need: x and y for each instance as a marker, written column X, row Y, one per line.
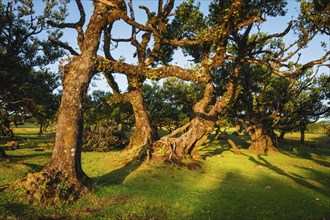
column 122, row 30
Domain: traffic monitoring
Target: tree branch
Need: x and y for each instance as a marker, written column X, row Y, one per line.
column 102, row 64
column 63, row 45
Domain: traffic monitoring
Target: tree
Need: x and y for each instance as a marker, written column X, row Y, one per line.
column 23, row 61
column 306, row 105
column 63, row 175
column 227, row 38
column 212, row 42
column 260, row 105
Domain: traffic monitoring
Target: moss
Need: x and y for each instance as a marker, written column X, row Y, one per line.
column 51, row 188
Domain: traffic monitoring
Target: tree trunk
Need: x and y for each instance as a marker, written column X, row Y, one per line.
column 5, row 127
column 177, row 148
column 174, row 148
column 142, row 132
column 261, row 141
column 233, row 145
column 302, row 135
column 238, row 131
column 41, row 131
column 142, row 135
column 3, row 153
column 62, row 179
column 281, row 137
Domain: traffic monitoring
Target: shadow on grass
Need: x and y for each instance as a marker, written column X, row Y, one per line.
column 208, row 151
column 296, row 178
column 119, row 175
column 237, row 197
column 34, row 167
column 15, row 210
column 217, row 147
column 25, row 156
column 240, row 141
column 306, row 153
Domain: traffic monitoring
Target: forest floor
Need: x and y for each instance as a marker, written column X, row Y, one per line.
column 291, row 184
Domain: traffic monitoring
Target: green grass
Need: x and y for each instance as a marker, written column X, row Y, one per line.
column 285, row 185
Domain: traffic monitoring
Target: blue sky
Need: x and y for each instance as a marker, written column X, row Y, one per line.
column 121, row 30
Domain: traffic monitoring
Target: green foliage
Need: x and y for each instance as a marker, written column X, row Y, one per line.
column 188, row 23
column 219, row 9
column 26, row 86
column 105, row 125
column 314, row 15
column 307, row 103
column 170, row 105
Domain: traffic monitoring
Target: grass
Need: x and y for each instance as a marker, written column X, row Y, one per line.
column 285, row 185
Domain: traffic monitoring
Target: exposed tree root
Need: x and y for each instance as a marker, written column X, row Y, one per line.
column 233, row 145
column 175, row 149
column 50, row 187
column 4, row 187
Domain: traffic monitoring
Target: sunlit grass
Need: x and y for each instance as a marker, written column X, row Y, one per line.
column 284, row 185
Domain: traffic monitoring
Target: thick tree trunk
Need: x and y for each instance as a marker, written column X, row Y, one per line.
column 174, row 148
column 261, row 141
column 62, row 179
column 142, row 134
column 177, row 148
column 64, row 170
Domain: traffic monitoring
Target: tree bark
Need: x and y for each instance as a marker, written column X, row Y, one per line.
column 233, row 145
column 177, row 148
column 261, row 141
column 5, row 126
column 142, row 135
column 142, row 132
column 302, row 135
column 62, row 179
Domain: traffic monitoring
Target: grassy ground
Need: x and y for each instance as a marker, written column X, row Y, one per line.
column 292, row 184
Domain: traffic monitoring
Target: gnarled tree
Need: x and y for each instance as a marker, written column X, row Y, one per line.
column 63, row 176
column 232, row 33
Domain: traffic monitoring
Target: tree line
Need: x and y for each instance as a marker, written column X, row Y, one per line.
column 239, row 72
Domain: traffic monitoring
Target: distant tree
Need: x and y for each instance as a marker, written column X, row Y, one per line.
column 306, row 106
column 260, row 105
column 326, row 126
